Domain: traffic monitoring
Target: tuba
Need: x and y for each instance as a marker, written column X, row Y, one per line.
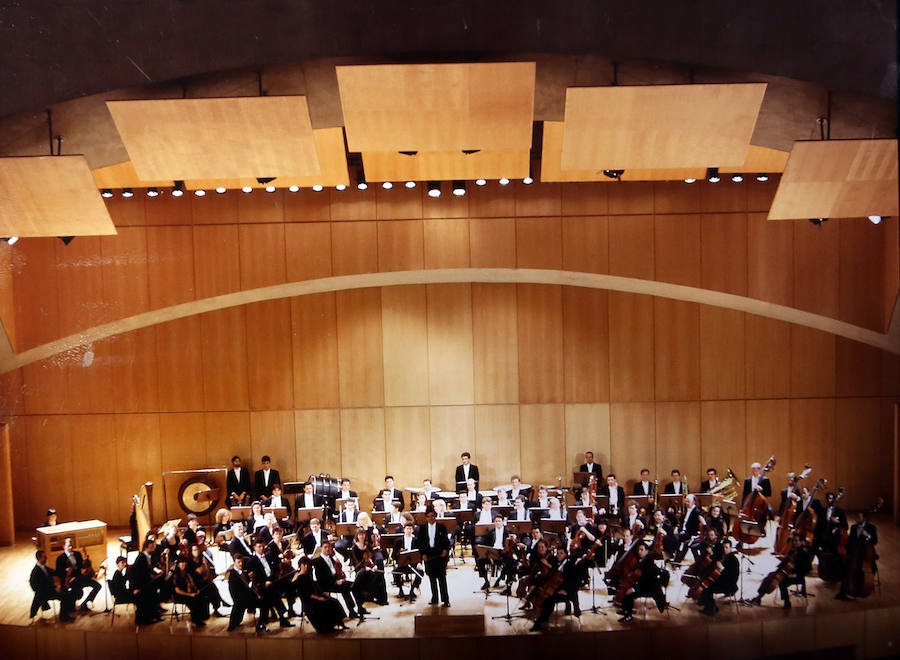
column 728, row 494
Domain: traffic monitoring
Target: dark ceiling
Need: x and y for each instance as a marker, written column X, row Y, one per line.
column 55, row 50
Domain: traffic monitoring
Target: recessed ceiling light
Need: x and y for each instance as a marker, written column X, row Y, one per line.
column 294, row 189
column 434, row 188
column 220, row 190
column 387, row 185
column 127, row 193
column 200, row 192
column 107, row 193
column 504, row 181
column 410, row 184
column 480, row 182
column 247, row 189
column 319, row 188
column 152, row 192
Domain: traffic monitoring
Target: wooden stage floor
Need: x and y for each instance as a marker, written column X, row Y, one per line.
column 398, row 618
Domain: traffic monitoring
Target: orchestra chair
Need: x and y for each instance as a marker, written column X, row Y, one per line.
column 112, row 610
column 175, row 614
column 39, row 615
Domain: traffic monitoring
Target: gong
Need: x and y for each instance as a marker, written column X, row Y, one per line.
column 196, row 495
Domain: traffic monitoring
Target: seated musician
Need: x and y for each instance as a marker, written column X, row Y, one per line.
column 345, row 492
column 503, row 497
column 726, row 583
column 243, row 596
column 421, row 502
column 188, row 593
column 543, row 499
column 190, row 533
column 144, row 585
column 861, row 542
column 644, row 487
column 556, row 511
column 408, row 543
column 496, row 539
column 324, row 612
column 665, row 534
column 385, row 502
column 393, row 521
column 689, row 529
column 396, row 493
column 566, row 592
column 465, row 471
column 590, row 466
column 485, row 516
column 471, row 493
column 465, row 530
column 368, row 568
column 588, row 535
column 118, row 582
column 278, row 501
column 517, row 490
column 256, row 519
column 350, row 514
column 676, row 486
column 264, row 481
column 331, row 579
column 223, row 522
column 203, row 570
column 712, row 480
column 237, row 483
column 615, row 493
column 582, row 496
column 718, row 520
column 795, row 567
column 41, row 581
column 646, row 580
column 264, row 576
column 710, row 545
column 240, row 544
column 519, row 512
column 634, row 521
column 279, row 553
column 313, row 539
column 308, row 500
column 757, row 481
column 51, row 517
column 69, row 566
column 429, row 490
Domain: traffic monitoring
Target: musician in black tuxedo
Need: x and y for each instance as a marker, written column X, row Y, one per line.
column 757, row 481
column 118, row 582
column 830, row 524
column 328, row 580
column 242, row 596
column 689, row 528
column 644, row 487
column 264, row 479
column 349, row 515
column 712, row 480
column 396, row 493
column 590, row 466
column 649, row 584
column 237, row 483
column 315, row 537
column 465, row 472
column 791, row 491
column 278, row 500
column 407, row 543
column 567, row 592
column 615, row 493
column 264, row 573
column 861, row 537
column 435, row 547
column 240, row 544
column 69, row 564
column 144, row 586
column 385, row 501
column 726, row 583
column 41, row 581
column 307, row 499
column 495, row 538
column 676, row 486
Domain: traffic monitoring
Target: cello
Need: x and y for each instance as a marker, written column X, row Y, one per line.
column 754, row 512
column 786, row 524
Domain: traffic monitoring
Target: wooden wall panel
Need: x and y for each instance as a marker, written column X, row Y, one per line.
column 179, row 368
column 723, row 438
column 585, row 244
column 768, row 434
column 46, row 388
column 272, row 434
column 631, row 341
column 7, row 294
column 816, row 264
column 224, row 346
column 495, row 343
column 861, row 269
column 363, row 458
column 770, row 259
column 540, row 321
column 631, row 246
column 585, row 344
column 51, row 482
column 139, row 459
column 676, row 349
column 261, row 207
column 182, row 440
column 447, row 205
column 446, row 243
column 812, row 362
column 490, row 201
column 497, row 444
column 215, row 209
column 94, row 440
column 227, row 435
column 216, row 260
column 170, row 265
column 451, row 376
column 407, row 435
column 678, row 442
column 168, row 210
column 352, row 204
column 262, row 255
column 723, row 197
column 81, row 303
column 676, row 241
column 398, row 203
column 318, row 442
column 128, row 212
column 492, row 243
column 857, row 368
column 94, row 373
column 632, row 439
column 864, row 473
column 269, row 358
column 627, row 198
column 537, row 200
column 354, row 248
column 722, row 340
column 125, row 288
column 539, row 243
column 133, row 359
column 308, row 250
column 405, row 345
column 813, row 437
column 452, row 431
column 401, row 245
column 587, row 429
column 767, row 357
column 725, row 253
column 675, row 197
column 315, row 351
column 543, row 435
column 891, row 268
column 360, row 358
column 36, row 282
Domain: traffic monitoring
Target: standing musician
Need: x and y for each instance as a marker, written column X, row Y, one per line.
column 314, row 537
column 240, row 544
column 788, row 493
column 465, row 471
column 408, row 543
column 496, row 539
column 644, row 487
column 368, row 568
column 615, row 493
column 566, row 592
column 396, row 493
column 264, row 575
column 646, row 579
column 243, row 596
column 726, row 583
column 69, row 566
column 712, row 480
column 830, row 526
column 279, row 553
column 237, row 483
column 757, row 481
column 41, row 581
column 264, row 480
column 861, row 542
column 278, row 501
column 188, row 593
column 590, row 466
column 435, row 547
column 144, row 585
column 689, row 528
column 676, row 486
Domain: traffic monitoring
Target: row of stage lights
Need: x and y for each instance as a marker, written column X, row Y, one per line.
column 712, row 176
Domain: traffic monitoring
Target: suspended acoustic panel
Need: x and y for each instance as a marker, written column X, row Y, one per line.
column 659, row 126
column 838, row 179
column 122, row 175
column 446, row 165
column 220, row 138
column 760, row 159
column 51, row 196
column 438, row 107
column 552, row 172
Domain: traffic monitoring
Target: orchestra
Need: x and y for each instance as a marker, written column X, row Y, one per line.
column 258, row 565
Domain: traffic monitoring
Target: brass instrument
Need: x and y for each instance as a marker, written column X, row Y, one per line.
column 728, row 493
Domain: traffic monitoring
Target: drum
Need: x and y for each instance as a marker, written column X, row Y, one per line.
column 325, row 486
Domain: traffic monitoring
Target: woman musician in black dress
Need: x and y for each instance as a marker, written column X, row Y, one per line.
column 188, row 593
column 323, row 611
column 368, row 565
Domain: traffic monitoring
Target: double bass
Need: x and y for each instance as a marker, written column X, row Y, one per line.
column 805, row 526
column 755, row 510
column 786, row 524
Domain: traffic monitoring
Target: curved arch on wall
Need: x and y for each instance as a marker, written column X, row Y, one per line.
column 886, row 342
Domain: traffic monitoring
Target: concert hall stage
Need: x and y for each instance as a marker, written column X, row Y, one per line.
column 831, row 628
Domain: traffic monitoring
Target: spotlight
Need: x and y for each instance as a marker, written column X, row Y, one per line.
column 12, row 240
column 361, row 180
column 408, row 153
column 528, row 180
column 127, row 193
column 762, row 177
column 340, row 186
column 66, row 239
column 178, row 189
column 876, row 219
column 265, row 179
column 737, row 178
column 434, row 188
column 818, row 221
column 270, row 189
column 220, row 190
column 152, row 192
column 504, row 181
column 106, row 194
column 690, row 180
column 247, row 189
column 480, row 182
column 459, row 188
column 613, row 174
column 410, row 184
column 712, row 175
column 318, row 188
column 294, row 188
column 200, row 192
column 387, row 185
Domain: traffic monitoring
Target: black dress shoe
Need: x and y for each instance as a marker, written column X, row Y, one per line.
column 625, row 619
column 352, row 614
column 446, row 603
column 506, row 592
column 433, row 601
column 284, row 623
column 363, row 610
column 261, row 628
column 536, row 627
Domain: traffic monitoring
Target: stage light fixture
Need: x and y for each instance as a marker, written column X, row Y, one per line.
column 410, row 184
column 340, row 186
column 876, row 219
column 107, row 193
column 247, row 189
column 12, row 240
column 361, row 183
column 480, row 182
column 200, row 192
column 690, row 180
column 762, row 177
column 66, row 239
column 319, row 188
column 434, row 188
column 127, row 193
column 387, row 185
column 459, row 188
column 220, row 190
column 293, row 189
column 270, row 189
column 504, row 181
column 152, row 192
column 265, row 179
column 818, row 221
column 178, row 189
column 613, row 174
column 737, row 178
column 712, row 175
column 528, row 180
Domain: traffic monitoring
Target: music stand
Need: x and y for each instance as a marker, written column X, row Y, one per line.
column 463, row 517
column 703, row 500
column 537, row 512
column 305, row 515
column 379, row 517
column 345, row 529
column 419, row 517
column 387, row 544
column 519, row 526
column 588, row 512
column 410, row 558
column 639, row 501
column 501, row 509
column 279, row 512
column 240, row 512
column 481, row 530
column 582, row 478
column 486, row 552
